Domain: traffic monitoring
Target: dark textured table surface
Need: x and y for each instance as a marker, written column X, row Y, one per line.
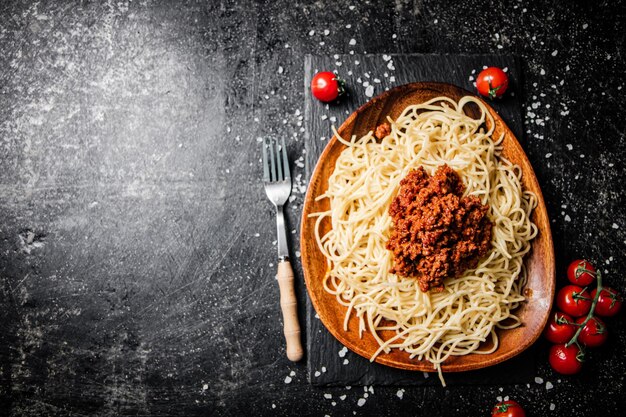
column 136, row 243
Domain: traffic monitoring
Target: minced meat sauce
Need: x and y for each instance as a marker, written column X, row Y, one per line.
column 437, row 232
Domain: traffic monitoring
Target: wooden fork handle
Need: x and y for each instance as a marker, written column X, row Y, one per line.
column 289, row 307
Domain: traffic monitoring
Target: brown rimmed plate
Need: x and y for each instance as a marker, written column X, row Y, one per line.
column 540, row 262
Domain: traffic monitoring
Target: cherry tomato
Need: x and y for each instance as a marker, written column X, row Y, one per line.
column 508, row 408
column 594, row 333
column 574, row 300
column 566, row 360
column 492, row 82
column 326, row 86
column 609, row 302
column 581, row 272
column 559, row 329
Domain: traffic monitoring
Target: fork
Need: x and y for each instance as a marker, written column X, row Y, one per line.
column 277, row 183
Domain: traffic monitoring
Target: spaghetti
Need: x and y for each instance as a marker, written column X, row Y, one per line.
column 428, row 326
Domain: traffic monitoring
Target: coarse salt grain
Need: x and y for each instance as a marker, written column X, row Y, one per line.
column 538, row 380
column 343, row 352
column 400, row 393
column 317, row 373
column 328, row 396
column 352, row 41
column 549, row 385
column 361, row 402
column 287, row 380
column 369, row 91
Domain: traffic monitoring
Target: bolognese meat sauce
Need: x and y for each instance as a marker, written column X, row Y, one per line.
column 437, row 232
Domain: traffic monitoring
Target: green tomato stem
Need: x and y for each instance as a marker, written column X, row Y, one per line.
column 574, row 338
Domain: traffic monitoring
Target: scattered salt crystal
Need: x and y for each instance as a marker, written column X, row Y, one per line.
column 273, row 405
column 256, row 235
column 392, row 79
column 548, row 155
column 585, row 26
column 549, row 385
column 323, row 369
column 328, row 396
column 287, row 380
column 400, row 393
column 348, row 26
column 426, row 375
column 342, row 397
column 311, row 32
column 326, row 32
column 386, row 57
column 317, row 373
column 555, row 52
column 369, row 91
column 343, row 352
column 569, row 147
column 366, row 395
column 357, row 62
column 280, row 70
column 352, row 41
column 324, row 117
column 394, row 36
column 499, row 398
column 538, row 380
column 552, row 406
column 351, row 7
column 205, row 387
column 615, row 226
column 333, row 119
column 361, row 402
column 292, row 373
column 542, row 72
column 567, row 219
column 345, row 361
column 390, row 65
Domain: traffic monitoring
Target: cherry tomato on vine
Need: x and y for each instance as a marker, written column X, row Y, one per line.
column 492, row 82
column 594, row 333
column 609, row 302
column 581, row 272
column 566, row 360
column 508, row 408
column 326, row 86
column 559, row 328
column 574, row 300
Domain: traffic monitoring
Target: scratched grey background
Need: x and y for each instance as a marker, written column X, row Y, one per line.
column 136, row 244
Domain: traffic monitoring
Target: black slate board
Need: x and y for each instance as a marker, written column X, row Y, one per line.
column 326, row 365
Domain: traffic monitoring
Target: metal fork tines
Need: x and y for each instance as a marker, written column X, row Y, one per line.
column 277, row 182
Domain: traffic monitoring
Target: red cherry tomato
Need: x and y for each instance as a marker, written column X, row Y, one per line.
column 559, row 329
column 492, row 82
column 326, row 86
column 566, row 360
column 581, row 272
column 574, row 300
column 508, row 408
column 594, row 333
column 609, row 302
